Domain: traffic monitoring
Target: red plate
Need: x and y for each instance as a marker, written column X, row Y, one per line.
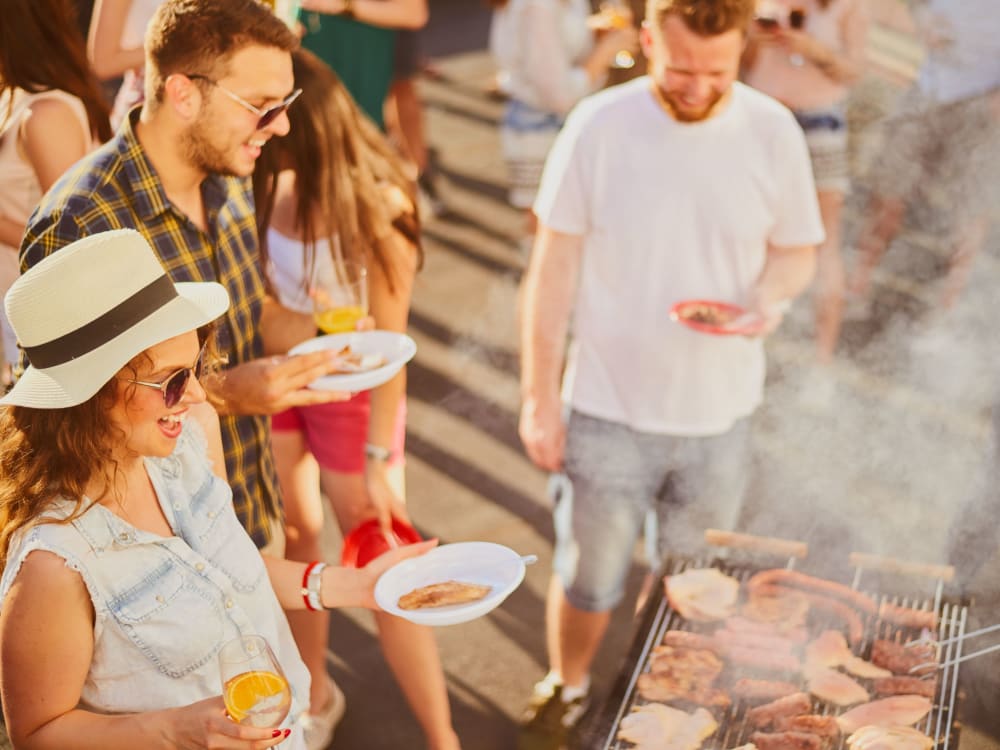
column 682, row 313
column 366, row 541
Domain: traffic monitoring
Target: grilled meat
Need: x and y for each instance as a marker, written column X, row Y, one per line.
column 900, row 710
column 759, row 691
column 889, row 738
column 898, row 685
column 654, row 726
column 786, row 741
column 907, row 616
column 768, row 714
column 822, row 726
column 900, row 660
column 443, row 594
column 834, row 687
column 813, row 585
column 702, row 594
column 782, row 608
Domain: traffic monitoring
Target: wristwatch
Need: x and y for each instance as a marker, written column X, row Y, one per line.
column 378, row 453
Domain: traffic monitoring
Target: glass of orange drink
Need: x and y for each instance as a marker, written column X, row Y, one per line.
column 254, row 688
column 340, row 296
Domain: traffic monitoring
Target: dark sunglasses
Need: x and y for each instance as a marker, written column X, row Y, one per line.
column 175, row 384
column 267, row 116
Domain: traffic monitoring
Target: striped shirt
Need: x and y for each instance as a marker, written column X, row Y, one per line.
column 115, row 187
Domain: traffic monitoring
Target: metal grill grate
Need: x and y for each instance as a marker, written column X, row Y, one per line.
column 733, row 731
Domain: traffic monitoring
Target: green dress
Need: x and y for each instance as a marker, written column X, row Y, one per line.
column 361, row 54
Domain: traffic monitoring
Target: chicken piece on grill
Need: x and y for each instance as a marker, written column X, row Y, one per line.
column 830, row 649
column 786, row 741
column 702, row 594
column 764, row 716
column 654, row 726
column 663, row 686
column 898, row 685
column 699, row 665
column 822, row 726
column 834, row 687
column 899, row 659
column 861, row 668
column 897, row 711
column 889, row 738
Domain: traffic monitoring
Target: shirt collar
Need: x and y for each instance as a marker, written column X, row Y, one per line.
column 150, row 199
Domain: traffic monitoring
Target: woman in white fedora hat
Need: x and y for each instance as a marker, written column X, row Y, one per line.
column 124, row 567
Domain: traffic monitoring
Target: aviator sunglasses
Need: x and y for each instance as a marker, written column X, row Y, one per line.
column 175, row 384
column 267, row 116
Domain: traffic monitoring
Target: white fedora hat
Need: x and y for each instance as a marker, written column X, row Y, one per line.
column 85, row 311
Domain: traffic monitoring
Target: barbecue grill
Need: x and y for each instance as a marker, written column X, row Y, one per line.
column 885, row 580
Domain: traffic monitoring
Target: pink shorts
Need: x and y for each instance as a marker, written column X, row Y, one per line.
column 336, row 433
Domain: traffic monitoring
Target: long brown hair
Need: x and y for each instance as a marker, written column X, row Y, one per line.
column 342, row 163
column 41, row 49
column 53, row 454
column 50, row 454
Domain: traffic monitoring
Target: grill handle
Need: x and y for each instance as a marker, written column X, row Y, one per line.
column 945, row 573
column 765, row 544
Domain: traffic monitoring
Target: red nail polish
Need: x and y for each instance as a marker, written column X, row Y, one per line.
column 276, row 734
column 287, row 733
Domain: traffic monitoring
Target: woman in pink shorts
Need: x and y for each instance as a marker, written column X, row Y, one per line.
column 332, row 191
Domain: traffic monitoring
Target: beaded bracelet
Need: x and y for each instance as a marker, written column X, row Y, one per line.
column 311, row 582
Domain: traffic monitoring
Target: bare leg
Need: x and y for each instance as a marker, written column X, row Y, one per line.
column 412, row 654
column 406, row 115
column 830, row 278
column 573, row 635
column 881, row 226
column 298, row 475
column 409, row 649
column 968, row 242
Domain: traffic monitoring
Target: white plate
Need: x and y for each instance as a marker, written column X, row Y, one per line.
column 397, row 348
column 469, row 562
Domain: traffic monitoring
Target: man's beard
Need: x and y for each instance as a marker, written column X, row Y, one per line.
column 200, row 152
column 687, row 115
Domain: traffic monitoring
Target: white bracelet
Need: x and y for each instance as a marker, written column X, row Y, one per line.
column 314, row 587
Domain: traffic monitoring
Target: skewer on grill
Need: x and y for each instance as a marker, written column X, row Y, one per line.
column 954, row 639
column 955, row 662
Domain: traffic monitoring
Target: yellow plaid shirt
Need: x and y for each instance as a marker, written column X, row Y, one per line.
column 117, row 187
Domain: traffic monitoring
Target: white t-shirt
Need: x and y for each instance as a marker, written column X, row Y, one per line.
column 671, row 211
column 294, row 274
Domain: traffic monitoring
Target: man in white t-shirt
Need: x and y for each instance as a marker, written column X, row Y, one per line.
column 681, row 185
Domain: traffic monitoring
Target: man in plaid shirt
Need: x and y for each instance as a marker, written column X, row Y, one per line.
column 218, row 82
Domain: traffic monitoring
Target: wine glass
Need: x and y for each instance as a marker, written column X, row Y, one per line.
column 797, row 21
column 254, row 688
column 339, row 294
column 619, row 15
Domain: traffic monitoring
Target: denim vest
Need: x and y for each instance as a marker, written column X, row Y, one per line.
column 165, row 605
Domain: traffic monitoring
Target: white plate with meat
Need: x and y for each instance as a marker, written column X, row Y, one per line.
column 451, row 584
column 367, row 359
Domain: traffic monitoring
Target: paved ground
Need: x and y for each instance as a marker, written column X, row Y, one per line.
column 882, row 471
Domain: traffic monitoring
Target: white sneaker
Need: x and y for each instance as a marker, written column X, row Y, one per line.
column 319, row 727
